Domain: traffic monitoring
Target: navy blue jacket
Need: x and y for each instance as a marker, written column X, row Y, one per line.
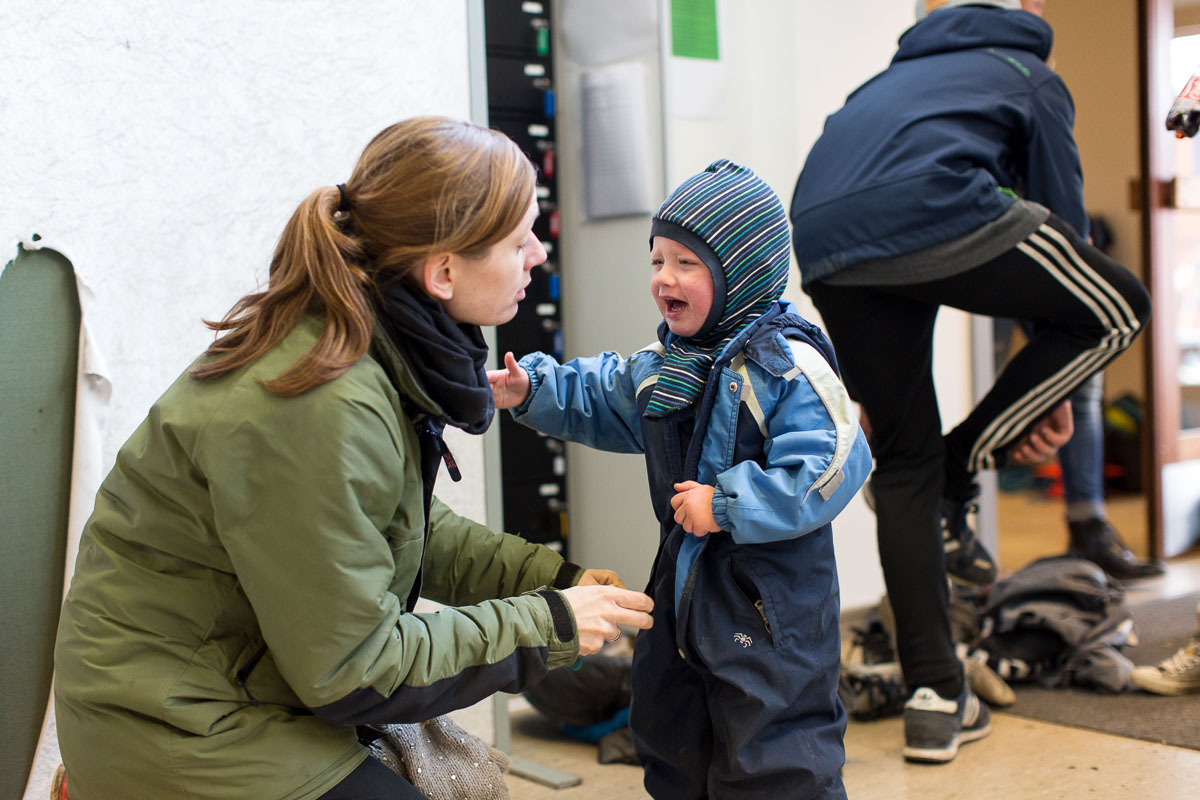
column 916, row 156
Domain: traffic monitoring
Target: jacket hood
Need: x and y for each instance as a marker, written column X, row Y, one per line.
column 734, row 222
column 972, row 27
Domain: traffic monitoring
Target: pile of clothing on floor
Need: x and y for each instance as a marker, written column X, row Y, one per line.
column 1059, row 622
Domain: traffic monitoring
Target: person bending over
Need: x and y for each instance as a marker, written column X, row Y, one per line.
column 907, row 203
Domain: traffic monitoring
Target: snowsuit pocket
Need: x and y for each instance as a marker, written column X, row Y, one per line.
column 748, row 585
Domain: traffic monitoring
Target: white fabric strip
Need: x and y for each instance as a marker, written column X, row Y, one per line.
column 93, row 391
column 829, row 389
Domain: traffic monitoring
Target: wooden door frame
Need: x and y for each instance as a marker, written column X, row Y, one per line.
column 1155, row 21
column 1163, row 443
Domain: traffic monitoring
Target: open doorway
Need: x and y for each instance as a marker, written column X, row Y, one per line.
column 1171, row 32
column 1032, row 502
column 1097, row 52
column 1184, row 268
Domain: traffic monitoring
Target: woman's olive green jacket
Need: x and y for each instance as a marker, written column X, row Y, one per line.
column 238, row 604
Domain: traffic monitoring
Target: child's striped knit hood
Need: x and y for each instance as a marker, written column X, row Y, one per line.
column 736, row 225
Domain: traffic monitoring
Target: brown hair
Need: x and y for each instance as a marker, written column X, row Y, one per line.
column 423, row 186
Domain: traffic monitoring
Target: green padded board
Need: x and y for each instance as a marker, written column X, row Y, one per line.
column 39, row 342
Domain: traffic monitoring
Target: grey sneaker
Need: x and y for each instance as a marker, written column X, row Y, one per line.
column 934, row 727
column 1179, row 674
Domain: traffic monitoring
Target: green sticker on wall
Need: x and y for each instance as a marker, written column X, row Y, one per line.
column 694, row 29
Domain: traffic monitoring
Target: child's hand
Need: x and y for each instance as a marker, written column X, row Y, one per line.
column 510, row 386
column 693, row 508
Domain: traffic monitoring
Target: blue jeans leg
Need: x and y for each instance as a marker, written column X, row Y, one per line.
column 1082, row 458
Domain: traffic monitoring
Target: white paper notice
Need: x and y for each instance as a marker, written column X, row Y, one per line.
column 616, row 141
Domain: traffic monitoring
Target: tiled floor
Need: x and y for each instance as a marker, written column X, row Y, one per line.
column 1021, row 759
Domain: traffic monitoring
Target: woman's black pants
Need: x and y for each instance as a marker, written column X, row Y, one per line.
column 371, row 780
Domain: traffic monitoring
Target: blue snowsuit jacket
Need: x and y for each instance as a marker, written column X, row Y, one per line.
column 754, row 606
column 917, row 154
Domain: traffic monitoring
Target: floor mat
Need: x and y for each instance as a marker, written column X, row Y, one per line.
column 1162, row 627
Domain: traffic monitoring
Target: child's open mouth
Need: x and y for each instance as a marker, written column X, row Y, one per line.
column 676, row 306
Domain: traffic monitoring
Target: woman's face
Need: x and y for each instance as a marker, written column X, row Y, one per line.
column 486, row 290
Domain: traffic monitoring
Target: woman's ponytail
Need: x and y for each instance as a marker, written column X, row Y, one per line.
column 422, row 187
column 313, row 271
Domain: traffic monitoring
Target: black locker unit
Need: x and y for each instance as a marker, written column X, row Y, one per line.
column 520, row 89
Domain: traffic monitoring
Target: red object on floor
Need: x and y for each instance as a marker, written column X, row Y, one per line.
column 1049, row 475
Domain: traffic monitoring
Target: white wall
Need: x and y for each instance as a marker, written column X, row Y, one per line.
column 161, row 146
column 606, row 306
column 787, row 66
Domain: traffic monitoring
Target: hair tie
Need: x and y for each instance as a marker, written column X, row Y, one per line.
column 344, row 199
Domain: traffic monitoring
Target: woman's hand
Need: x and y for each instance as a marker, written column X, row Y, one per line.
column 510, row 386
column 1045, row 438
column 600, row 610
column 693, row 508
column 600, row 577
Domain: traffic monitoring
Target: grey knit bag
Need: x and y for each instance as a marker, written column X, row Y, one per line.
column 443, row 761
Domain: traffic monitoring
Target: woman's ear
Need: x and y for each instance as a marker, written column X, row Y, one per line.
column 436, row 276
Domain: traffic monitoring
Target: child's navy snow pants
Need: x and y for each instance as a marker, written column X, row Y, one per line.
column 735, row 687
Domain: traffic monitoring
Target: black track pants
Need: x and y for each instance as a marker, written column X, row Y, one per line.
column 1086, row 309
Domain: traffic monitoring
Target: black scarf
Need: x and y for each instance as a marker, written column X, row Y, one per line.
column 447, row 359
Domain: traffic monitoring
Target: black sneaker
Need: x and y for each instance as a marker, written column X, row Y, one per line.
column 873, row 643
column 871, row 691
column 967, row 561
column 934, row 727
column 1097, row 541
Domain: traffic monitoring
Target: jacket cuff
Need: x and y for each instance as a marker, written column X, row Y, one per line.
column 528, row 363
column 720, row 509
column 564, row 646
column 568, row 575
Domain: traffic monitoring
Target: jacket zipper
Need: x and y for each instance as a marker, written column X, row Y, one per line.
column 761, row 608
column 243, row 674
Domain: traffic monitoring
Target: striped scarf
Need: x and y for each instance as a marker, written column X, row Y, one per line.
column 736, row 225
